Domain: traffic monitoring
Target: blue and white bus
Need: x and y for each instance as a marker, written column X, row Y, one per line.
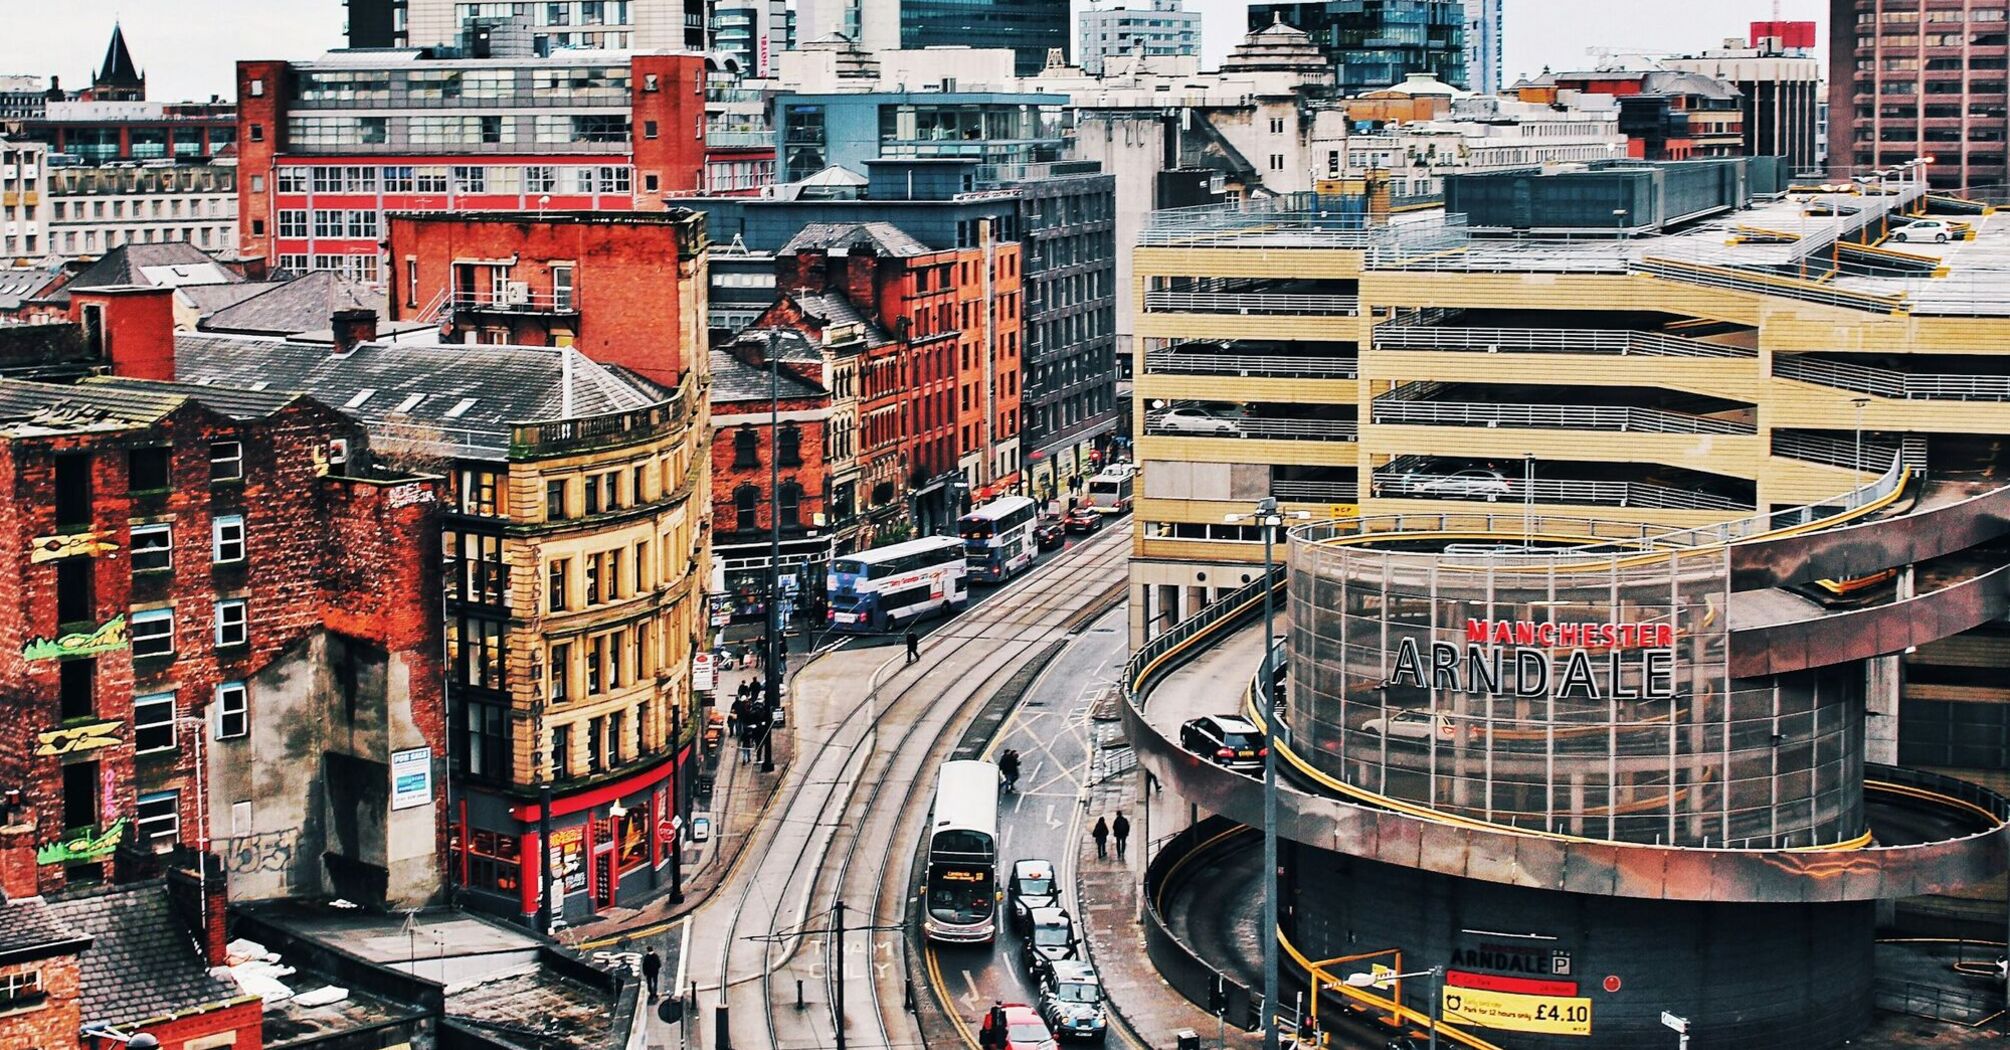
column 998, row 538
column 963, row 855
column 878, row 590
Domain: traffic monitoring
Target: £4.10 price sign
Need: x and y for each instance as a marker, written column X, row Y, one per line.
column 1547, row 1014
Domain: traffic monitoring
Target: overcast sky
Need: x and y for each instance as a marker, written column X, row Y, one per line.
column 187, row 47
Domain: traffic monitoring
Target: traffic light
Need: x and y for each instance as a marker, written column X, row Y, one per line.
column 1217, row 996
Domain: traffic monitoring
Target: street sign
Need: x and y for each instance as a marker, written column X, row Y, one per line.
column 1679, row 1024
column 1546, row 1014
column 702, row 677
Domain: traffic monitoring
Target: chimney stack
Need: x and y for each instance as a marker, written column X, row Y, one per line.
column 200, row 899
column 129, row 327
column 17, row 854
column 352, row 328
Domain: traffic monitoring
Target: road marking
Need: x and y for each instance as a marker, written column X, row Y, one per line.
column 973, row 998
column 942, row 995
column 683, row 956
column 1051, row 822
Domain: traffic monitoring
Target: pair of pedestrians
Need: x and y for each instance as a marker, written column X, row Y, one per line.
column 1104, row 830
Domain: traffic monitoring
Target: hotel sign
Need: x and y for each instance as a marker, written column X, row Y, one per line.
column 1593, row 660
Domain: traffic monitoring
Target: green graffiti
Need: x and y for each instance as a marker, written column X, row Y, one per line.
column 82, row 845
column 110, row 637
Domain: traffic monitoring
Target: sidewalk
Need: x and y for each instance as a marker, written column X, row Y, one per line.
column 1107, row 892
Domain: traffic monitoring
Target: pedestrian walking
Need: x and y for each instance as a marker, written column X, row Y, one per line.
column 913, row 646
column 652, row 968
column 1101, row 833
column 1121, row 828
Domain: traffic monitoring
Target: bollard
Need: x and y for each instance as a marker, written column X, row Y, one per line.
column 1187, row 1039
column 799, row 993
column 722, row 1038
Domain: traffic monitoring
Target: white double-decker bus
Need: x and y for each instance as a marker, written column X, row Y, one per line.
column 878, row 590
column 962, row 883
column 998, row 538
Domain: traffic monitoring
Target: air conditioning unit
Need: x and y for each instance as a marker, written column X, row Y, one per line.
column 338, row 451
column 518, row 293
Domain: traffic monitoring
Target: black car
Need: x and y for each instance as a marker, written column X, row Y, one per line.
column 1071, row 1000
column 1033, row 886
column 1225, row 740
column 1050, row 533
column 1051, row 940
column 1082, row 519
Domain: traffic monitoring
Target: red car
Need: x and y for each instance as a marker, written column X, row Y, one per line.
column 1082, row 519
column 1014, row 1026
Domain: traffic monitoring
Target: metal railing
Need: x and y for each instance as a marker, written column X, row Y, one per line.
column 1883, row 485
column 1293, row 220
column 1835, row 452
column 1712, row 276
column 738, row 138
column 1260, row 427
column 1915, row 999
column 1885, row 382
column 1399, row 335
column 1315, row 491
column 1550, row 490
column 518, row 302
column 1252, row 303
column 1189, row 362
column 1552, row 417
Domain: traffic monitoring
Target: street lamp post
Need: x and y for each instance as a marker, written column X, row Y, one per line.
column 676, row 803
column 1435, row 973
column 1856, row 461
column 1269, row 519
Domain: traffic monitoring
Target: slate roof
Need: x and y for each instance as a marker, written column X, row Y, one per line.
column 735, row 380
column 209, row 298
column 170, row 264
column 142, row 962
column 19, row 283
column 111, row 400
column 304, row 304
column 30, row 929
column 882, row 238
column 833, row 308
column 118, row 70
column 391, row 386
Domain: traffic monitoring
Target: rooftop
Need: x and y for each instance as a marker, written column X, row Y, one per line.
column 734, row 380
column 30, row 929
column 142, row 962
column 533, row 1007
column 167, row 265
column 470, row 397
column 877, row 238
column 303, row 304
column 106, row 402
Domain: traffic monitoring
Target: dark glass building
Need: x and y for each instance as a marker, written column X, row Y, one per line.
column 1028, row 27
column 1375, row 43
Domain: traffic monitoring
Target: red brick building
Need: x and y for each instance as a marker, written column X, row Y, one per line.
column 41, row 997
column 219, row 631
column 768, row 425
column 327, row 148
column 623, row 289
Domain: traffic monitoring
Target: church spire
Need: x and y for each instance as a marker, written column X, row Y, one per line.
column 118, row 78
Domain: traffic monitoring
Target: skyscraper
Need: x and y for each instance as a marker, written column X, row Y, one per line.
column 1483, row 45
column 1375, row 43
column 1029, row 27
column 1907, row 81
column 1162, row 28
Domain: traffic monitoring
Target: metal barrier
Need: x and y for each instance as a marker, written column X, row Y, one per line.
column 1915, row 999
column 1253, row 303
column 1187, row 362
column 1261, row 427
column 1884, row 382
column 1315, row 491
column 1502, row 489
column 1835, row 452
column 1176, row 960
column 1713, row 276
column 1551, row 417
column 1407, row 335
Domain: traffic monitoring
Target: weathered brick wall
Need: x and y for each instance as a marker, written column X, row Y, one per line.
column 54, row 1024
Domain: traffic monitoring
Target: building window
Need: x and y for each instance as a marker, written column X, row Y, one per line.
column 493, row 862
column 153, row 633
column 789, row 506
column 1277, row 162
column 79, row 688
column 233, row 711
column 557, row 583
column 232, row 623
column 476, row 493
column 147, row 469
column 746, row 448
column 21, row 990
column 475, row 649
column 227, row 539
column 592, row 580
column 595, row 737
column 560, row 689
column 746, row 508
column 561, row 753
column 153, row 723
column 153, row 548
column 226, row 461
column 159, row 818
column 789, row 446
column 554, row 500
column 484, row 748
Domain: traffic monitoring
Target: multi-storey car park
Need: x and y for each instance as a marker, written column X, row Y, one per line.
column 1648, row 664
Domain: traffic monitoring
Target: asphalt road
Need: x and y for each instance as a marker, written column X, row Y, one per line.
column 1050, row 728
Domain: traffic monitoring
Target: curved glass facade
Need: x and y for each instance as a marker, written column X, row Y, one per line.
column 1580, row 694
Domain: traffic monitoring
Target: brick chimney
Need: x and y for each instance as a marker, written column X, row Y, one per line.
column 129, row 327
column 17, row 854
column 202, row 901
column 352, row 328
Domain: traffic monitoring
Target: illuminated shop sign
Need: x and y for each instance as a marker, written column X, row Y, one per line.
column 1524, row 658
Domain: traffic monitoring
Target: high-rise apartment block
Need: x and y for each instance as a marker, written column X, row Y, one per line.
column 1483, row 45
column 753, row 31
column 649, row 25
column 1165, row 29
column 1779, row 87
column 1031, row 28
column 1374, row 45
column 1920, row 78
column 326, row 148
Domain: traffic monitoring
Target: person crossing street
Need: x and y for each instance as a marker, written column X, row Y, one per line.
column 913, row 646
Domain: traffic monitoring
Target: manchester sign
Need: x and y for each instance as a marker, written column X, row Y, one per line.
column 1595, row 660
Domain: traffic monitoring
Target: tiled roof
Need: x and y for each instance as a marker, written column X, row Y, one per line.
column 471, row 394
column 209, row 298
column 102, row 400
column 18, row 283
column 833, row 308
column 304, row 304
column 172, row 263
column 882, row 238
column 735, row 380
column 30, row 929
column 142, row 961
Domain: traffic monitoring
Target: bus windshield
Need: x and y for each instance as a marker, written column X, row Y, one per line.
column 974, row 528
column 849, row 567
column 960, row 894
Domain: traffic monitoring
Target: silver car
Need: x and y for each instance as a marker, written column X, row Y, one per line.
column 1196, row 419
column 1466, row 484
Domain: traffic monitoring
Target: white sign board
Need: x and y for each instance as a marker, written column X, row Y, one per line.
column 411, row 777
column 702, row 677
column 1680, row 1024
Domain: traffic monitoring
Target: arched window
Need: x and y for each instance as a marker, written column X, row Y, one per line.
column 746, row 448
column 789, row 506
column 746, row 508
column 789, row 446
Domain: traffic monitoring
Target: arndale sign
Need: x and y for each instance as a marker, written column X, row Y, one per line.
column 1523, row 658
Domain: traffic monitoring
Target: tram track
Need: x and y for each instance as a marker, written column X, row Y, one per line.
column 833, row 806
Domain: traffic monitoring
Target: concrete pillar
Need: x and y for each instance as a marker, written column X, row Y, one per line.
column 1883, row 679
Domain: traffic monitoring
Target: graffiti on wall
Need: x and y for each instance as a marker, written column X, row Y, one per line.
column 109, row 638
column 71, row 739
column 264, row 851
column 69, row 545
column 83, row 844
